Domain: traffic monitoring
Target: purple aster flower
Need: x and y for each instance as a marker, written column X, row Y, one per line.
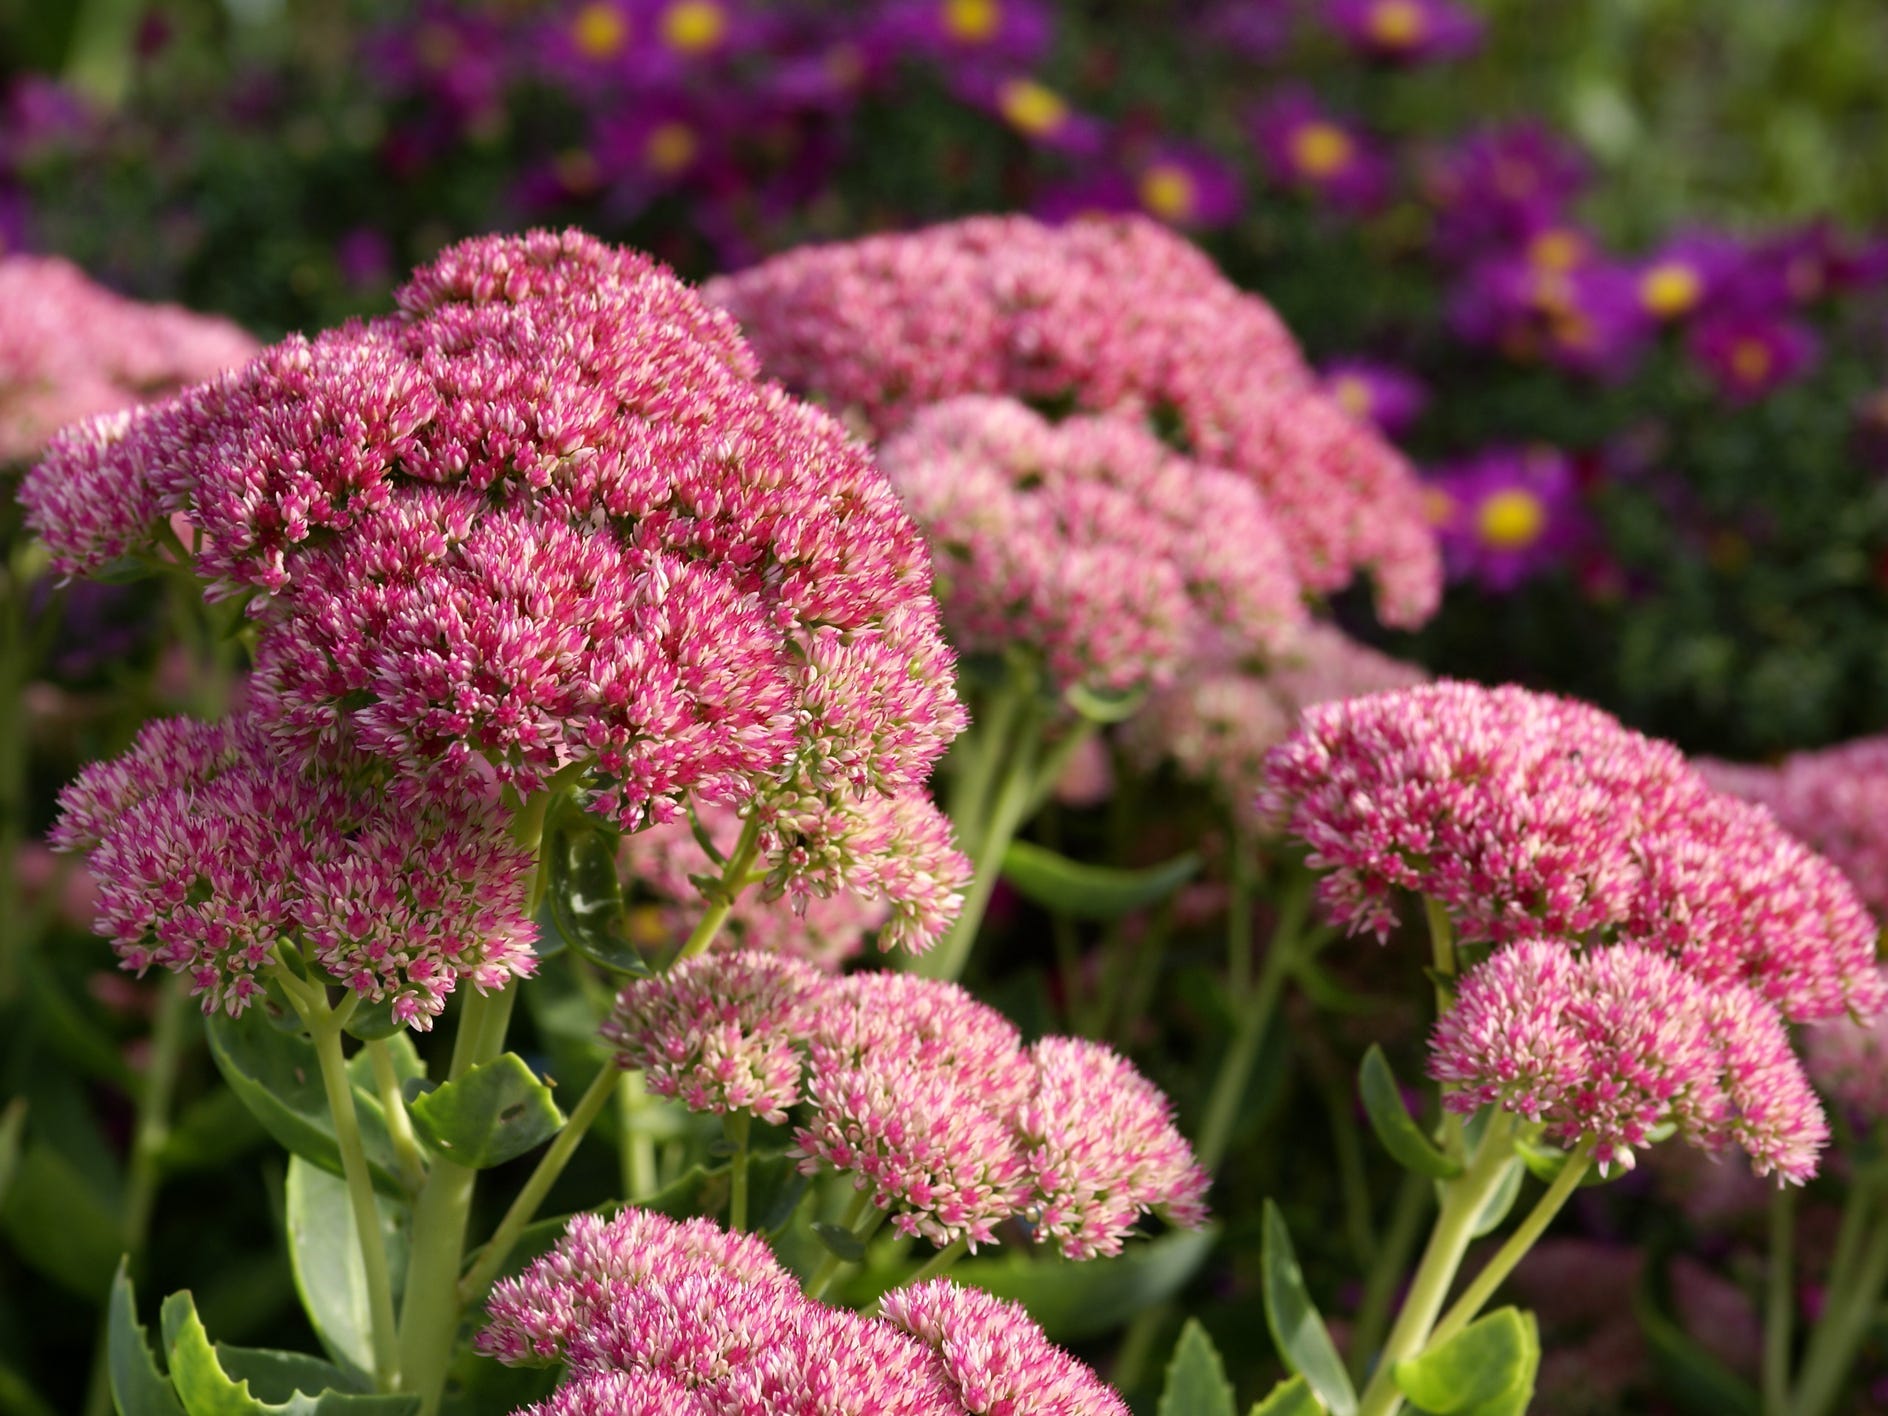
column 1688, row 272
column 14, row 218
column 1586, row 318
column 1102, row 194
column 1750, row 355
column 1259, row 30
column 1804, row 265
column 1381, row 394
column 1034, row 110
column 1305, row 146
column 1186, row 186
column 364, row 257
column 1500, row 185
column 454, row 57
column 1406, row 31
column 1507, row 514
column 1008, row 32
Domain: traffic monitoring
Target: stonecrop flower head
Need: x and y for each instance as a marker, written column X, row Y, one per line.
column 1526, row 815
column 1081, row 540
column 1848, row 1060
column 70, row 349
column 1112, row 314
column 547, row 516
column 649, row 1315
column 1607, row 1045
column 212, row 854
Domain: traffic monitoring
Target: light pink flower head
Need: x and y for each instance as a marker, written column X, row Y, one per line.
column 70, row 349
column 995, row 1355
column 1608, row 1045
column 719, row 1032
column 535, row 1315
column 1084, row 541
column 1104, row 1150
column 1113, row 314
column 546, row 515
column 1523, row 814
column 211, row 854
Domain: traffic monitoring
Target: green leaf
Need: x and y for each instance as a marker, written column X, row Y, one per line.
column 1487, row 1367
column 57, row 1221
column 212, row 1131
column 71, row 1031
column 1290, row 1397
column 494, row 1113
column 775, row 1188
column 277, row 1376
column 371, row 1022
column 696, row 1190
column 138, row 1385
column 840, row 1241
column 1545, row 1162
column 1297, row 1329
column 584, row 893
column 1501, row 1200
column 12, row 1127
column 1082, row 891
column 1105, row 707
column 1695, row 1379
column 1395, row 1128
column 1196, row 1378
column 325, row 1258
column 1071, row 1301
column 278, row 1079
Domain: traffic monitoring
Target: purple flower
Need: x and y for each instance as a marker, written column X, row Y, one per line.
column 1186, row 186
column 1382, row 394
column 1102, row 194
column 1014, row 33
column 1687, row 273
column 1585, row 317
column 1406, row 31
column 364, row 257
column 1034, row 110
column 14, row 218
column 1506, row 514
column 1259, row 30
column 455, row 58
column 1500, row 185
column 1304, row 146
column 1750, row 355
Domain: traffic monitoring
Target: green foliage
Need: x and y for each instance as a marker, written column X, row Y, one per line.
column 1081, row 891
column 1395, row 1128
column 1297, row 1329
column 1073, row 1301
column 494, row 1113
column 1487, row 1369
column 325, row 1258
column 1196, row 1378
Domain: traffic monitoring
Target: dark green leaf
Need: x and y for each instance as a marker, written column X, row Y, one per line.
column 371, row 1022
column 1071, row 1301
column 839, row 1240
column 1395, row 1128
column 325, row 1258
column 71, row 1032
column 775, row 1188
column 277, row 1376
column 1487, row 1367
column 584, row 893
column 278, row 1079
column 211, row 1131
column 1297, row 1329
column 57, row 1221
column 696, row 1191
column 494, row 1113
column 12, row 1127
column 1082, row 891
column 1196, row 1378
column 138, row 1384
column 1697, row 1381
column 1290, row 1397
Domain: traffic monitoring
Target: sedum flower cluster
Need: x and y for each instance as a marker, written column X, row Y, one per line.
column 884, row 326
column 684, row 1319
column 1654, row 935
column 926, row 1097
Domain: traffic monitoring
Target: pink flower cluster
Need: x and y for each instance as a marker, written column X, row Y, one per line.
column 1525, row 814
column 1609, row 1044
column 683, row 1319
column 925, row 1096
column 1083, row 541
column 1113, row 315
column 547, row 515
column 70, row 349
column 1849, row 1061
column 1834, row 800
column 1220, row 718
column 211, row 853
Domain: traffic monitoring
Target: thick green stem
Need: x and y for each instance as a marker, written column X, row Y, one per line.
column 406, row 1146
column 937, row 1264
column 1011, row 808
column 324, row 1026
column 721, row 901
column 638, row 1149
column 1255, row 1012
column 986, row 746
column 1526, row 1234
column 524, row 1208
column 1779, row 1309
column 1463, row 1200
column 1413, row 1199
column 739, row 1124
column 1839, row 1335
column 822, row 1277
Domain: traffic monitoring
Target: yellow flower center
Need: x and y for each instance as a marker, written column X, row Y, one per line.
column 1352, row 394
column 1168, row 191
column 1670, row 289
column 670, row 147
column 1557, row 249
column 972, row 21
column 694, row 26
column 1321, row 149
column 1398, row 24
column 1751, row 361
column 1511, row 519
column 599, row 31
column 1031, row 107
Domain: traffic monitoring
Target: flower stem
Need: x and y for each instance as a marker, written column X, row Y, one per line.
column 721, row 901
column 406, row 1146
column 1525, row 1235
column 1845, row 1321
column 1413, row 1198
column 639, row 1151
column 1255, row 1012
column 937, row 1264
column 525, row 1207
column 1463, row 1199
column 822, row 1277
column 1779, row 1303
column 739, row 1124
